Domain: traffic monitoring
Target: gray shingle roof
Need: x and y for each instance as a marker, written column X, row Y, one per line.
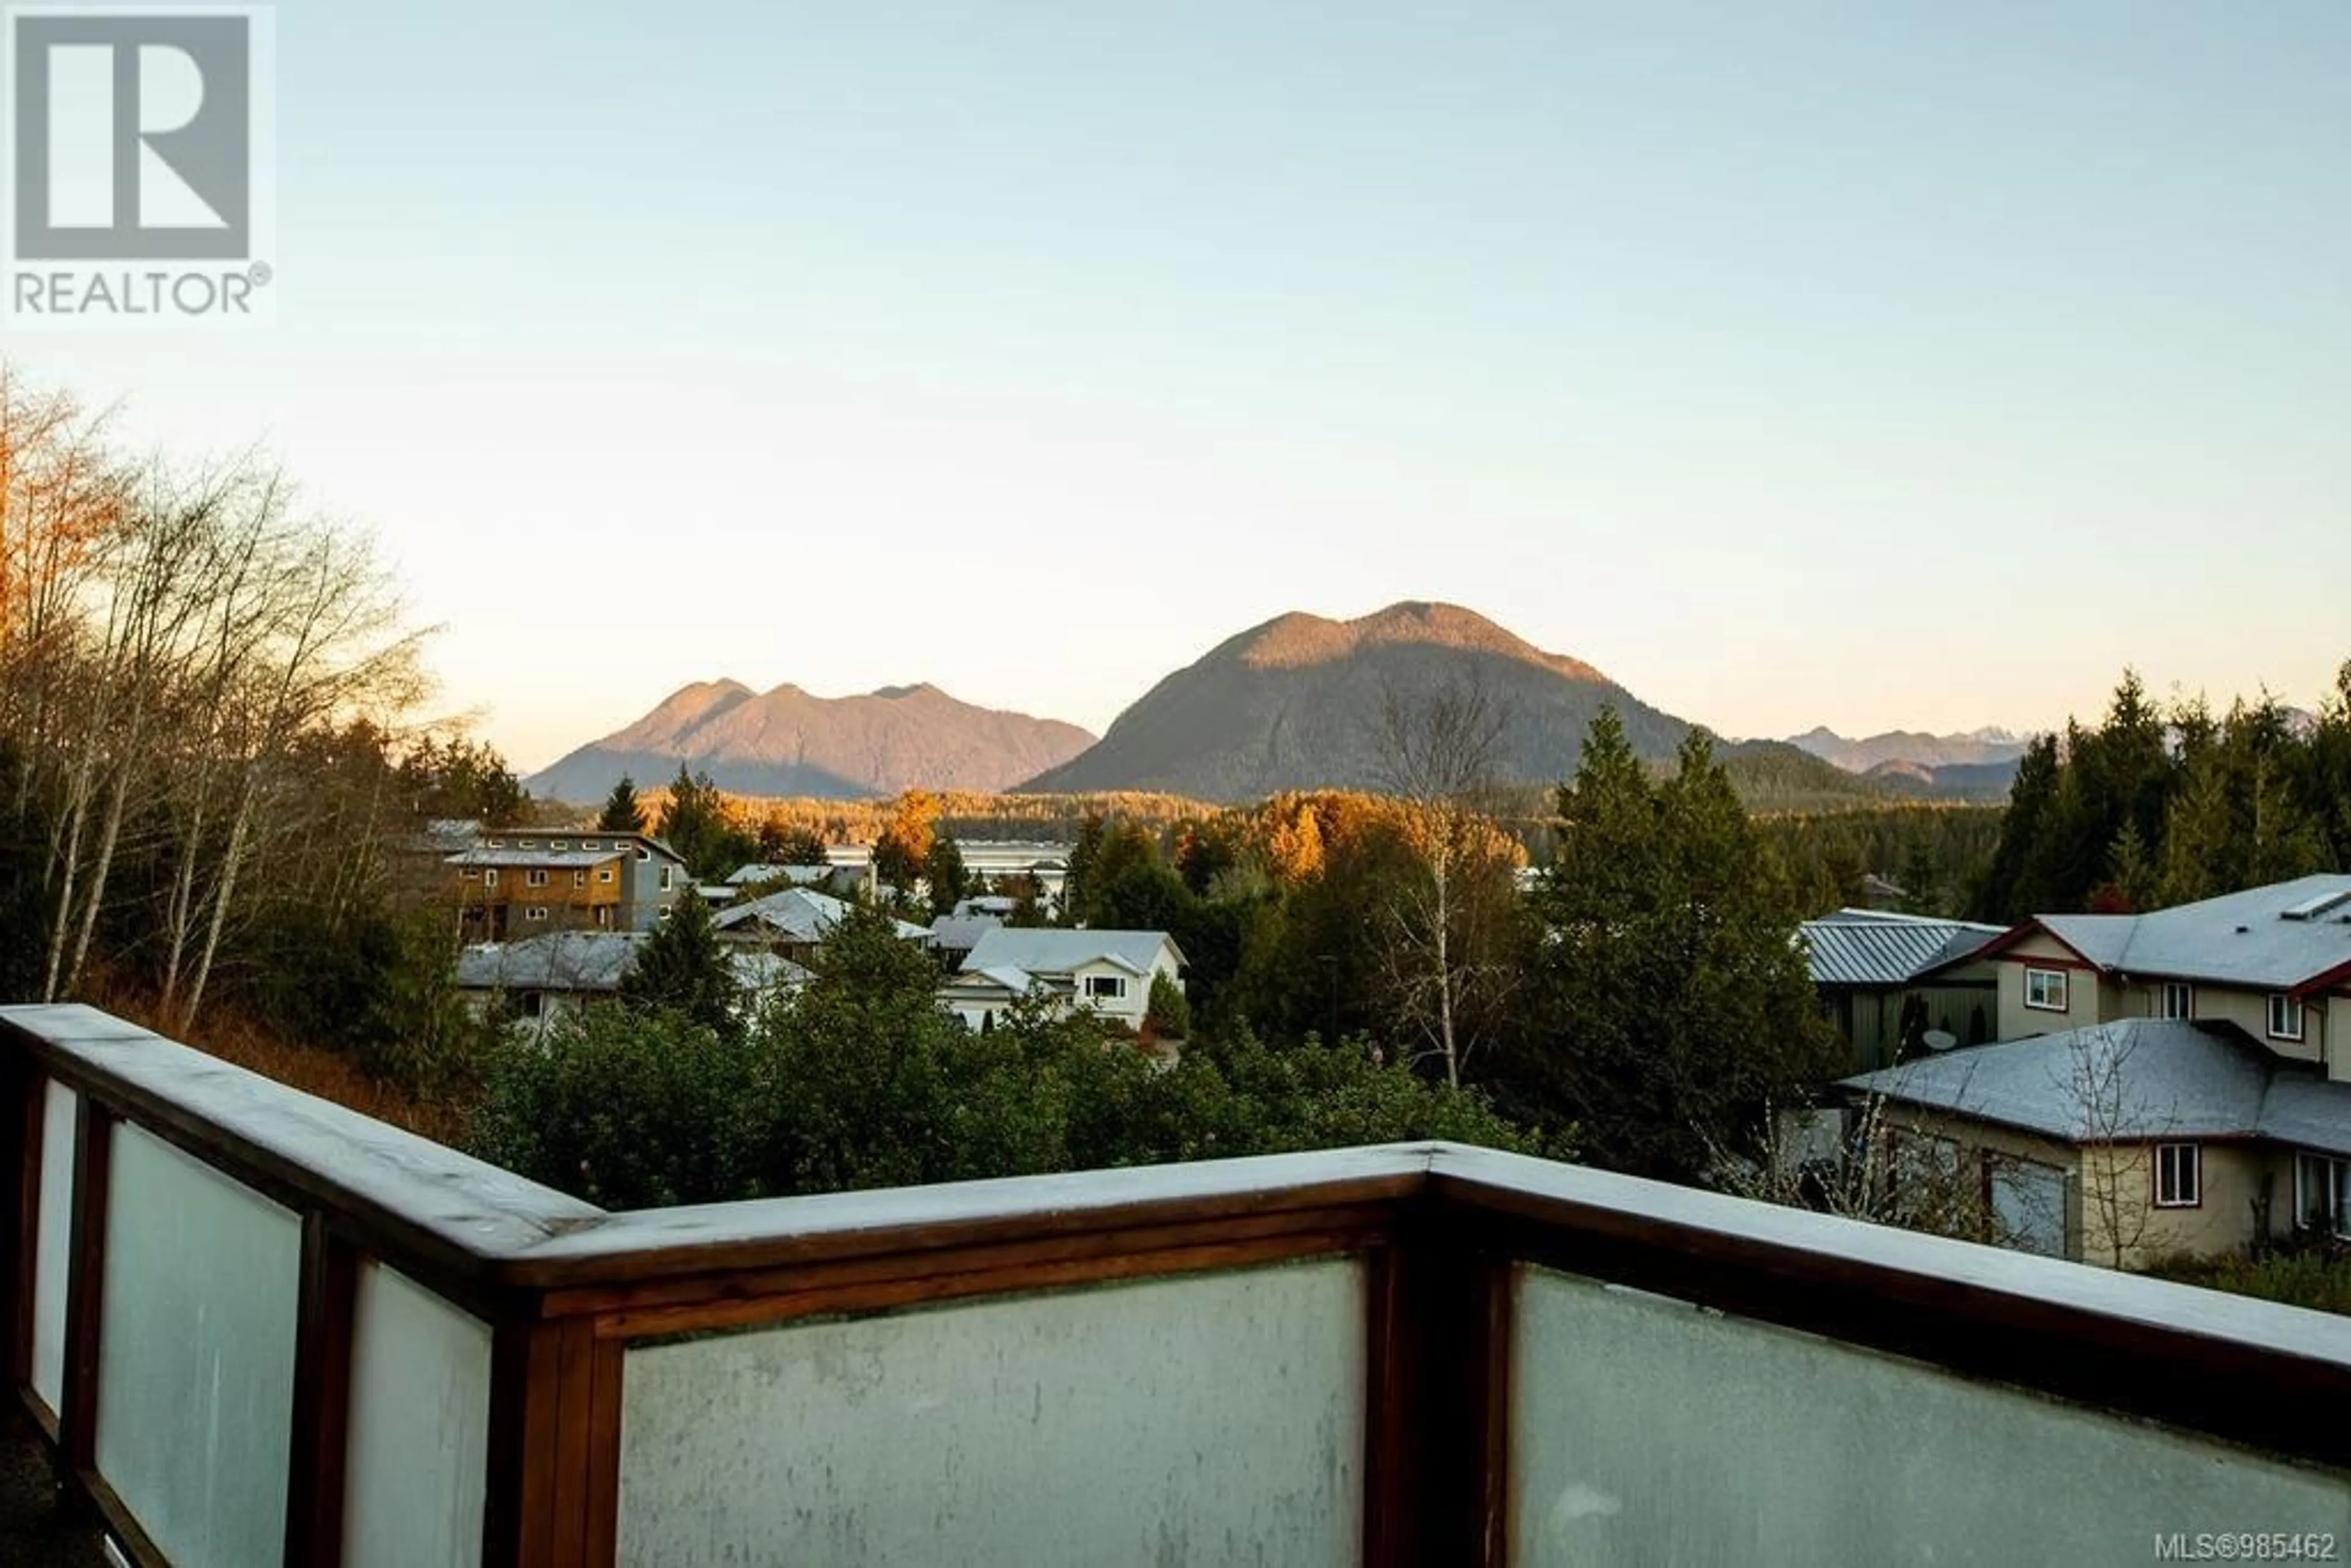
column 2135, row 1079
column 801, row 915
column 961, row 933
column 2238, row 939
column 1046, row 951
column 592, row 961
column 536, row 859
column 1866, row 947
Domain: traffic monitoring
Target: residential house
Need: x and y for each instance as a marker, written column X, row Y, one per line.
column 2119, row 1143
column 1889, row 981
column 527, row 882
column 763, row 876
column 953, row 936
column 1109, row 972
column 545, row 978
column 2274, row 960
column 794, row 923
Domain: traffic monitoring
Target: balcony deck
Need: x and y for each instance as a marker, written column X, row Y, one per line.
column 260, row 1329
column 37, row 1529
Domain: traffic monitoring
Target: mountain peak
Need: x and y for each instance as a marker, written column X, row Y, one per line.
column 1299, row 640
column 1297, row 703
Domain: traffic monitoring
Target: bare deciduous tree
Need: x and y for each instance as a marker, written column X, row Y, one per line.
column 1441, row 753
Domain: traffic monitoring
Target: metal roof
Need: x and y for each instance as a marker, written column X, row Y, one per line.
column 2134, row 1079
column 1869, row 947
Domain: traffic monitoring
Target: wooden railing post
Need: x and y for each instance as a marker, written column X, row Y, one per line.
column 85, row 1287
column 322, row 1386
column 555, row 1390
column 23, row 1091
column 1437, row 1462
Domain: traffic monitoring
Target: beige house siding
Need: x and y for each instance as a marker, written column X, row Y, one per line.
column 2087, row 997
column 2111, row 1217
column 2248, row 1009
column 2122, row 1228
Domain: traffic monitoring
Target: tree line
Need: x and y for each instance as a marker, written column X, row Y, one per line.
column 2157, row 804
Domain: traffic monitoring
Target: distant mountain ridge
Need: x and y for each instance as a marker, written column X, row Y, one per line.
column 1974, row 749
column 788, row 742
column 1295, row 704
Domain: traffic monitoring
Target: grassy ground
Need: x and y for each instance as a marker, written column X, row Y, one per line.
column 2305, row 1278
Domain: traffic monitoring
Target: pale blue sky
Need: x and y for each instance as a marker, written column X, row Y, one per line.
column 1868, row 364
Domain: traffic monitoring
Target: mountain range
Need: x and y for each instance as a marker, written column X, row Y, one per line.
column 788, row 742
column 1293, row 703
column 1975, row 748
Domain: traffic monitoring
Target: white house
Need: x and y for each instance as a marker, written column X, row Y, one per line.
column 1109, row 971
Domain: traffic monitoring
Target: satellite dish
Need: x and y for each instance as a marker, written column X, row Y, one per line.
column 1940, row 1039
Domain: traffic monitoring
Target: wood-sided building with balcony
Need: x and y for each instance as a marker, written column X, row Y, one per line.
column 526, row 882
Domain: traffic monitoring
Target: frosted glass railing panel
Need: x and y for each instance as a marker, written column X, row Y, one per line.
column 1215, row 1418
column 1648, row 1431
column 195, row 1367
column 420, row 1417
column 52, row 1241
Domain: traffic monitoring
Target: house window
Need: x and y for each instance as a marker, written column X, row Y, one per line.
column 2178, row 1000
column 2178, row 1175
column 2045, row 989
column 604, row 874
column 665, row 876
column 471, row 873
column 534, row 878
column 497, row 844
column 1112, row 987
column 2286, row 1017
column 590, row 844
column 644, row 853
column 526, row 843
column 603, row 914
column 2322, row 1193
column 535, row 912
column 532, row 1004
column 490, row 877
column 579, row 879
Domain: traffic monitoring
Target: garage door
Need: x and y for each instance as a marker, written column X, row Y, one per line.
column 2028, row 1205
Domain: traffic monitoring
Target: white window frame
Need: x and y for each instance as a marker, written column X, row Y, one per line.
column 604, row 874
column 490, row 877
column 590, row 844
column 534, row 878
column 2291, row 1011
column 2064, row 989
column 2178, row 1175
column 1105, row 987
column 2167, row 991
column 666, row 872
column 580, row 879
column 533, row 912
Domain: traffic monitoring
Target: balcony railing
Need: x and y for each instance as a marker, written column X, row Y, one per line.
column 262, row 1329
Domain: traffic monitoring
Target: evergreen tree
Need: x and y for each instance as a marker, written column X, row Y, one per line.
column 943, row 870
column 681, row 967
column 1675, row 1008
column 622, row 813
column 696, row 824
